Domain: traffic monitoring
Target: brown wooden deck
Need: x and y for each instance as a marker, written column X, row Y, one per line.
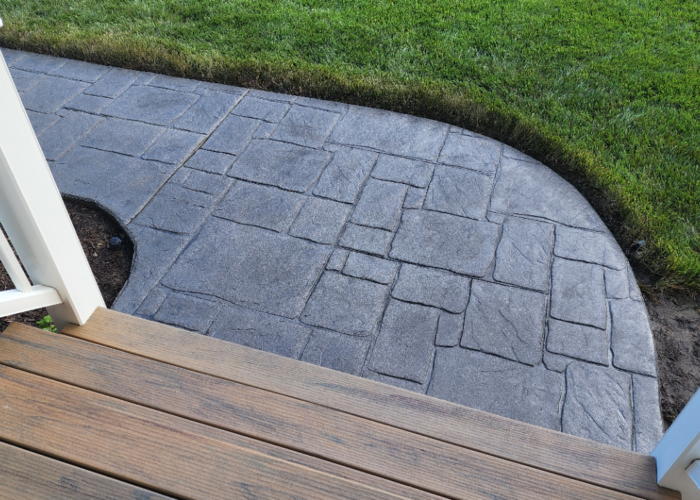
column 124, row 408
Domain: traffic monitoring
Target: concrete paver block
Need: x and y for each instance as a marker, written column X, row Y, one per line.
column 505, row 321
column 249, row 267
column 336, row 351
column 286, row 166
column 396, row 169
column 598, row 404
column 343, row 177
column 578, row 293
column 320, row 220
column 150, row 105
column 345, row 304
column 460, row 192
column 370, row 268
column 524, row 253
column 261, row 206
column 404, row 347
column 306, row 126
column 445, row 241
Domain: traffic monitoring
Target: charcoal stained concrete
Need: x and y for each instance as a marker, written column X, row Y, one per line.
column 387, row 246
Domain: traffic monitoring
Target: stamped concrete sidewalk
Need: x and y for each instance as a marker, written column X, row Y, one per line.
column 387, row 246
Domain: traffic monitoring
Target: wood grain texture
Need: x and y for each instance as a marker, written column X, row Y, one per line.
column 28, row 476
column 574, row 457
column 28, row 348
column 152, row 449
column 376, row 448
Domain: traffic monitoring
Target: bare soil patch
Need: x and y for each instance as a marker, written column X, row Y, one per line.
column 675, row 321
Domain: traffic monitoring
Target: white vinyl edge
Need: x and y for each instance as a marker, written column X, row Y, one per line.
column 14, row 301
column 678, row 453
column 35, row 219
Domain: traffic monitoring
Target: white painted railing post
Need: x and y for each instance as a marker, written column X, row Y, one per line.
column 36, row 220
column 678, row 453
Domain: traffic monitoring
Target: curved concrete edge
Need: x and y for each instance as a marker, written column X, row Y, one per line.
column 163, row 154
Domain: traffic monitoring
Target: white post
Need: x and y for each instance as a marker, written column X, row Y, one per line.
column 678, row 453
column 35, row 218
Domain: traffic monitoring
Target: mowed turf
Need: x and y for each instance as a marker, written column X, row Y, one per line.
column 607, row 93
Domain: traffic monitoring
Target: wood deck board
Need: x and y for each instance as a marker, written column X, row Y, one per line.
column 12, row 356
column 152, row 449
column 535, row 447
column 28, row 476
column 392, row 453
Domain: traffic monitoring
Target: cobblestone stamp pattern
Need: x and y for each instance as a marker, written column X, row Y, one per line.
column 391, row 247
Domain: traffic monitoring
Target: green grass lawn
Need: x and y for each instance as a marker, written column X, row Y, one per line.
column 607, row 93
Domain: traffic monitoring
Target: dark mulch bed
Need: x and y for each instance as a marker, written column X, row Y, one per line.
column 675, row 317
column 111, row 266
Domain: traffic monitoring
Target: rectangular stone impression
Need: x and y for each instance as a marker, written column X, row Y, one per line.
column 249, row 266
column 232, row 135
column 579, row 341
column 122, row 136
column 460, row 192
column 261, row 206
column 432, row 288
column 578, row 293
column 505, row 321
column 445, row 241
column 344, row 304
column 404, row 347
column 150, row 105
column 597, row 404
column 370, row 268
column 366, row 239
column 471, row 152
column 121, row 183
column 390, row 132
column 49, row 94
column 632, row 340
column 344, row 175
column 497, row 385
column 396, row 169
column 306, row 126
column 280, row 164
column 207, row 111
column 260, row 331
column 380, row 205
column 320, row 220
column 523, row 253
